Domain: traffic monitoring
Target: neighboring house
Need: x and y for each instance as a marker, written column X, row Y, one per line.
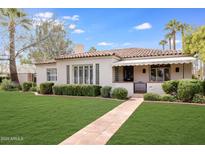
column 26, row 72
column 136, row 69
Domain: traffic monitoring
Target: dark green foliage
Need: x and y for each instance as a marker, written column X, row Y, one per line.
column 46, row 88
column 77, row 90
column 8, row 85
column 26, row 86
column 119, row 93
column 167, row 97
column 170, row 87
column 3, row 77
column 106, row 91
column 188, row 88
column 34, row 89
column 198, row 98
column 152, row 97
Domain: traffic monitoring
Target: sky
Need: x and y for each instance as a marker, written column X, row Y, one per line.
column 119, row 28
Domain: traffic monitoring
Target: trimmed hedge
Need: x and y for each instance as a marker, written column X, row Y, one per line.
column 170, row 87
column 152, row 97
column 26, row 86
column 188, row 88
column 46, row 88
column 106, row 91
column 77, row 90
column 198, row 98
column 119, row 93
column 167, row 97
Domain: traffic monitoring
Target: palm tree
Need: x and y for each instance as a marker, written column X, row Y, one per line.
column 173, row 27
column 183, row 27
column 11, row 18
column 169, row 38
column 163, row 43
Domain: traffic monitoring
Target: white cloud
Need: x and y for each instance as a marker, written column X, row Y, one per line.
column 104, row 44
column 72, row 26
column 74, row 17
column 143, row 26
column 78, row 31
column 46, row 15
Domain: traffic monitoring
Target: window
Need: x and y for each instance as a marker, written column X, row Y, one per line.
column 143, row 70
column 91, row 74
column 116, row 74
column 160, row 73
column 86, row 74
column 128, row 73
column 97, row 76
column 75, row 74
column 177, row 69
column 51, row 74
column 68, row 74
column 83, row 74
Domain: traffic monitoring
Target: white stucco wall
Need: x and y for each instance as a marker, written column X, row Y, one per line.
column 139, row 75
column 155, row 88
column 179, row 75
column 41, row 72
column 23, row 77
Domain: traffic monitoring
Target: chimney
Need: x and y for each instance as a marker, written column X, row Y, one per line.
column 78, row 48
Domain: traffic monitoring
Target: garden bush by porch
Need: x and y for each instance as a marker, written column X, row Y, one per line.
column 77, row 90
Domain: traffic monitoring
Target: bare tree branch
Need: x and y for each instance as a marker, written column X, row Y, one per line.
column 31, row 45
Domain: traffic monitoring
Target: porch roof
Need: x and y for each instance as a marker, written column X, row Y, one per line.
column 155, row 61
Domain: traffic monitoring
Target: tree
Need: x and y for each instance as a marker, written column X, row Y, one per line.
column 195, row 42
column 56, row 44
column 173, row 27
column 184, row 28
column 92, row 49
column 163, row 43
column 11, row 18
column 169, row 38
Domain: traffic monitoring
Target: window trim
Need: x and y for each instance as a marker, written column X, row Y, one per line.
column 54, row 76
column 89, row 66
column 156, row 77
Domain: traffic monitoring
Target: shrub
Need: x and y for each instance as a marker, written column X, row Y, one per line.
column 170, row 87
column 3, row 77
column 46, row 88
column 8, row 85
column 167, row 97
column 198, row 98
column 77, row 90
column 26, row 86
column 152, row 97
column 105, row 91
column 33, row 89
column 188, row 88
column 119, row 93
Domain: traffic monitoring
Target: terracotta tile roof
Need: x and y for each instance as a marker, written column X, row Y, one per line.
column 121, row 53
column 45, row 62
column 144, row 52
column 87, row 54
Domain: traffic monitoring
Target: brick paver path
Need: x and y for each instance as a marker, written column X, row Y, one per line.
column 102, row 129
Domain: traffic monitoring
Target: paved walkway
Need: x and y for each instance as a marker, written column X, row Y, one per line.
column 102, row 129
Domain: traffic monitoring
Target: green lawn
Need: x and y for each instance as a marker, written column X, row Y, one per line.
column 45, row 119
column 155, row 123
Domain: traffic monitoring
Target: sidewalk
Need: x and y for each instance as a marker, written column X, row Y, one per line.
column 102, row 129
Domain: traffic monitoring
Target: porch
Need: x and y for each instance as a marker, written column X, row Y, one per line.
column 141, row 76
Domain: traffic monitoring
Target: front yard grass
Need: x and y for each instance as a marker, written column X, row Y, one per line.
column 160, row 123
column 29, row 119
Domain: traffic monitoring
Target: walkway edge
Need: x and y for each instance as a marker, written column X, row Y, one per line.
column 101, row 130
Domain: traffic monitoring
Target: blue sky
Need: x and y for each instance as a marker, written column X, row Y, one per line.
column 120, row 28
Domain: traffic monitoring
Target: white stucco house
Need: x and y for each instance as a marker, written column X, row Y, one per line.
column 136, row 69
